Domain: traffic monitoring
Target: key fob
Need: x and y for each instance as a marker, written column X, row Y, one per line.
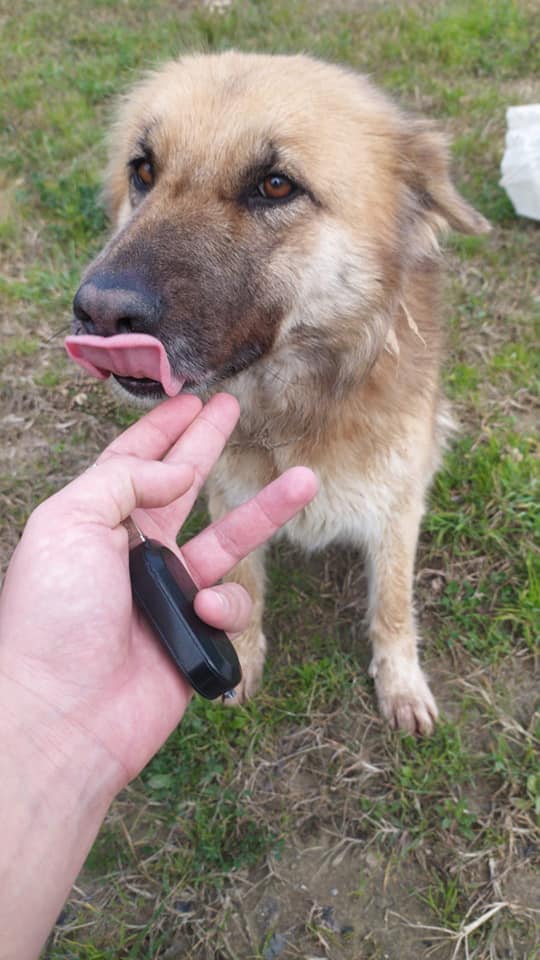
column 164, row 591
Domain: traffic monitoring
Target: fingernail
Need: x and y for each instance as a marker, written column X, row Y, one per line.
column 222, row 598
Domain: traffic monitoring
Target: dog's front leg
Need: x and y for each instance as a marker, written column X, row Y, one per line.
column 251, row 644
column 404, row 696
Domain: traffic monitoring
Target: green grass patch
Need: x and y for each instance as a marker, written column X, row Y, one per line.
column 16, row 347
column 428, row 794
column 110, row 852
column 462, row 381
column 515, row 761
column 521, row 361
column 487, row 38
column 485, row 511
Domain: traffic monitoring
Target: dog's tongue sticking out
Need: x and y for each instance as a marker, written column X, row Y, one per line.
column 126, row 354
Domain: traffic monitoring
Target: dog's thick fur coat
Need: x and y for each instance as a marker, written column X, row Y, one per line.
column 318, row 310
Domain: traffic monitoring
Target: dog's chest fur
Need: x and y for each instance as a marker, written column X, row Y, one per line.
column 368, row 460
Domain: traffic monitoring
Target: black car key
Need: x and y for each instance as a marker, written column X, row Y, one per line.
column 164, row 591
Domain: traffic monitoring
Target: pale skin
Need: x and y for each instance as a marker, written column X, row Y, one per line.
column 87, row 696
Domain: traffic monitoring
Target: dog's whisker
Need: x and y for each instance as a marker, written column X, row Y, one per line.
column 57, row 333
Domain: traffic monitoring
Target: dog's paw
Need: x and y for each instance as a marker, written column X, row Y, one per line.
column 251, row 650
column 405, row 699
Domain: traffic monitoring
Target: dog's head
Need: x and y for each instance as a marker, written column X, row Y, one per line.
column 262, row 203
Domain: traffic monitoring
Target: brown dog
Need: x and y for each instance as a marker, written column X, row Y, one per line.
column 276, row 229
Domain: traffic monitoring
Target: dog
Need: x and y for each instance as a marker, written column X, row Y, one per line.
column 276, row 223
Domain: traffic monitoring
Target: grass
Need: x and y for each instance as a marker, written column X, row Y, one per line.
column 233, row 839
column 486, row 507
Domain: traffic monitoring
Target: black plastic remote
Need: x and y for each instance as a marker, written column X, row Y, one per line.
column 164, row 591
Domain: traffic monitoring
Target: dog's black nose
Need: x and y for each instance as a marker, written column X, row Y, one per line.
column 105, row 306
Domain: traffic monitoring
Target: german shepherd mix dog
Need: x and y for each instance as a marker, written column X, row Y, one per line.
column 276, row 223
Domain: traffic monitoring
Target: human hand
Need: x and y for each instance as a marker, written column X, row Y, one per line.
column 71, row 639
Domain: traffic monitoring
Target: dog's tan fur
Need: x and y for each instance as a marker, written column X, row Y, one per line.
column 339, row 290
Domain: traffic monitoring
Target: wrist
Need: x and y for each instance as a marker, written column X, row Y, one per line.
column 41, row 736
column 56, row 789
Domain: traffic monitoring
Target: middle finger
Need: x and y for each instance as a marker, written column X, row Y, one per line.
column 200, row 447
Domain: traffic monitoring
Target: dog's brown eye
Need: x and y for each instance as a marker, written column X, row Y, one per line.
column 276, row 187
column 143, row 174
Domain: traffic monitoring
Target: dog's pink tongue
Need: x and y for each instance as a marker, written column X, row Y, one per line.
column 127, row 355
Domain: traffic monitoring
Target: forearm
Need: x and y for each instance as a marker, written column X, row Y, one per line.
column 56, row 790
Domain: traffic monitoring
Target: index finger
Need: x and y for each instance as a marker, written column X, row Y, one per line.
column 155, row 433
column 217, row 549
column 200, row 447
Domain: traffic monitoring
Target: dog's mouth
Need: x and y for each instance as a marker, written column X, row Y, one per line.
column 137, row 361
column 141, row 387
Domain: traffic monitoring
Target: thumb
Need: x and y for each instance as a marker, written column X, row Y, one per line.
column 109, row 491
column 227, row 606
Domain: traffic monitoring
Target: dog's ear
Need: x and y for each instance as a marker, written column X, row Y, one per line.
column 425, row 167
